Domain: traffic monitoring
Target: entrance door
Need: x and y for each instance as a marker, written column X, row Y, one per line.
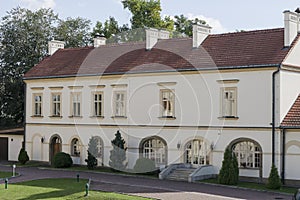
column 55, row 147
column 3, row 148
column 195, row 153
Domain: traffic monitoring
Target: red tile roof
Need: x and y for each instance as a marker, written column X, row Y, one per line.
column 292, row 119
column 247, row 49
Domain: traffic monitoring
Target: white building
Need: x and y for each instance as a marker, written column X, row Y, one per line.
column 174, row 100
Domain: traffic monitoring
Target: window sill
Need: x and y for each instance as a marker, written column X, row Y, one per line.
column 37, row 116
column 99, row 117
column 55, row 116
column 167, row 117
column 75, row 116
column 119, row 117
column 229, row 117
column 249, row 168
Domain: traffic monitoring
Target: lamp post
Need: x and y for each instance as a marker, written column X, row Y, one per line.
column 14, row 170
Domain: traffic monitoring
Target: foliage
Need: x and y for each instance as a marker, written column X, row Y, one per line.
column 144, row 165
column 24, row 35
column 274, row 179
column 62, row 160
column 118, row 153
column 93, row 150
column 109, row 29
column 23, row 156
column 229, row 173
column 74, row 32
column 147, row 13
column 185, row 25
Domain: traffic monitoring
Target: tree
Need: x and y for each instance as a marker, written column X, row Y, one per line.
column 274, row 179
column 74, row 32
column 92, row 161
column 185, row 25
column 118, row 153
column 229, row 172
column 110, row 28
column 24, row 37
column 147, row 13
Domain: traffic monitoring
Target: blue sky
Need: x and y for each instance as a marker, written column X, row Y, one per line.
column 222, row 15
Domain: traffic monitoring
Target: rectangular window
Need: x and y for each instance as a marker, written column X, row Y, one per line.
column 120, row 104
column 56, row 104
column 37, row 105
column 76, row 102
column 229, row 102
column 168, row 103
column 98, row 104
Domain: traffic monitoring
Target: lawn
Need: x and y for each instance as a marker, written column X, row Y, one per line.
column 5, row 174
column 257, row 186
column 57, row 189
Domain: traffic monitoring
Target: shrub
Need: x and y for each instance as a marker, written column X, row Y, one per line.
column 23, row 156
column 274, row 179
column 118, row 153
column 91, row 161
column 144, row 165
column 62, row 160
column 229, row 173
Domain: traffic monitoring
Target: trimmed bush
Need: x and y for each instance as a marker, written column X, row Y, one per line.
column 23, row 156
column 91, row 161
column 144, row 165
column 274, row 179
column 229, row 173
column 62, row 160
column 118, row 153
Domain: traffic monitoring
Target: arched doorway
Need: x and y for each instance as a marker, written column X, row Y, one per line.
column 154, row 148
column 196, row 153
column 55, row 147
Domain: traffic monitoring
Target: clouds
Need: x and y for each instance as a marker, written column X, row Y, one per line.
column 216, row 25
column 36, row 4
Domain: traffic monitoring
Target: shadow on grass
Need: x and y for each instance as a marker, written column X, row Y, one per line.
column 55, row 188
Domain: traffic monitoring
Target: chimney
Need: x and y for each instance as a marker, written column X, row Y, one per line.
column 54, row 45
column 153, row 35
column 99, row 41
column 291, row 27
column 200, row 32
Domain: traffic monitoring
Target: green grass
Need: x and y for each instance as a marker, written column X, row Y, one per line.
column 57, row 189
column 257, row 186
column 5, row 174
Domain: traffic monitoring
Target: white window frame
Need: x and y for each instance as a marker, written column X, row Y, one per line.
column 118, row 110
column 76, row 104
column 56, row 105
column 97, row 103
column 248, row 154
column 75, row 149
column 167, row 105
column 229, row 102
column 155, row 149
column 37, row 105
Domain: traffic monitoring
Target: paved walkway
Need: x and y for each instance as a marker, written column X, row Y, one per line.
column 147, row 187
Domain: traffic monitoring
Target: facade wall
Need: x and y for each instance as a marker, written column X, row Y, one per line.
column 14, row 146
column 292, row 151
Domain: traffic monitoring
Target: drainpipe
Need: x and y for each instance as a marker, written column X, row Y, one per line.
column 283, row 156
column 24, row 123
column 273, row 113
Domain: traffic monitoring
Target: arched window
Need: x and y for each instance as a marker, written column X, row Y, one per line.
column 248, row 154
column 196, row 152
column 156, row 150
column 75, row 147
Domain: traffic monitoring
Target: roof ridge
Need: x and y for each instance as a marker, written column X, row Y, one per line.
column 247, row 32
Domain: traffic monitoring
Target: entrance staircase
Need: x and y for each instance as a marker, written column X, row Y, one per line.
column 180, row 174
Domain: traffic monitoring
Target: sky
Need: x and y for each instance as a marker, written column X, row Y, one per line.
column 223, row 15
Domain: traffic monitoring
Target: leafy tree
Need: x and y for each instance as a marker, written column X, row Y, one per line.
column 23, row 156
column 229, row 172
column 74, row 32
column 274, row 179
column 109, row 29
column 118, row 153
column 185, row 25
column 92, row 161
column 147, row 13
column 24, row 37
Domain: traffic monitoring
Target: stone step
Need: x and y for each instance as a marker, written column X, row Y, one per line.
column 180, row 174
